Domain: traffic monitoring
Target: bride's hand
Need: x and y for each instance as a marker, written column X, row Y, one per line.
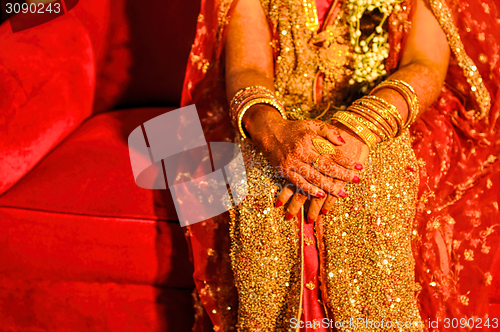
column 288, row 145
column 353, row 149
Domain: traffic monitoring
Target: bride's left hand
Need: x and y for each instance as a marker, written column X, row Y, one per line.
column 355, row 149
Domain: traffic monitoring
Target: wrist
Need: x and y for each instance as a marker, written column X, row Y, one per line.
column 261, row 118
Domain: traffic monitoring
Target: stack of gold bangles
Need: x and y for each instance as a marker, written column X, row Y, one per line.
column 373, row 118
column 248, row 97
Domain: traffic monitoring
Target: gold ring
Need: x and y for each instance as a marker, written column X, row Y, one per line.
column 323, row 146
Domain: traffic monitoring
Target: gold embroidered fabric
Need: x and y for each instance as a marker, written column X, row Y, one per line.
column 471, row 73
column 367, row 263
column 265, row 251
column 367, row 267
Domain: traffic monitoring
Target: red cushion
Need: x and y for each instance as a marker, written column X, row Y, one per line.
column 46, row 89
column 68, row 247
column 80, row 216
column 85, row 249
column 90, row 174
column 40, row 305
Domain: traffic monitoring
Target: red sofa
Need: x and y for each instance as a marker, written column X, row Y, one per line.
column 82, row 248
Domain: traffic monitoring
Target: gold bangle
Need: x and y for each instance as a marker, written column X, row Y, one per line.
column 382, row 116
column 390, row 107
column 243, row 97
column 240, row 96
column 408, row 93
column 396, row 127
column 253, row 102
column 387, row 111
column 360, row 114
column 249, row 89
column 359, row 129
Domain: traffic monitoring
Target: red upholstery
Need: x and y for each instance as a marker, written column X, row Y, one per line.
column 64, row 272
column 97, row 307
column 90, row 174
column 40, row 81
column 77, row 229
column 82, row 248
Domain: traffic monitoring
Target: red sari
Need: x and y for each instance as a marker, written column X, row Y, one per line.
column 457, row 138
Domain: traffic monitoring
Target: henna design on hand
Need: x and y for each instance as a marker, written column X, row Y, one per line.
column 289, row 147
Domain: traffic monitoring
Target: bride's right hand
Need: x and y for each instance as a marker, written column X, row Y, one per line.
column 289, row 148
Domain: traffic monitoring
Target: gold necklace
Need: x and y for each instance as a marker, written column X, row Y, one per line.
column 333, row 50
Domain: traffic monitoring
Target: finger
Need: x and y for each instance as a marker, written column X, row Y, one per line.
column 329, row 132
column 285, row 194
column 327, row 206
column 315, row 209
column 313, row 178
column 307, row 187
column 325, row 148
column 341, row 159
column 296, row 203
column 328, row 167
column 332, row 133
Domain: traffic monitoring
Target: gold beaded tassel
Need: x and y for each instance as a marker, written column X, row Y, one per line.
column 248, row 97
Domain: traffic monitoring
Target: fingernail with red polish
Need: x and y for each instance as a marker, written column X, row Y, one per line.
column 321, row 194
column 278, row 204
column 358, row 166
column 340, row 139
column 355, row 179
column 288, row 216
column 342, row 194
column 310, row 220
column 324, row 211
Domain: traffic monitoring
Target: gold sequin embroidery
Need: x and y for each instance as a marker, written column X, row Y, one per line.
column 481, row 94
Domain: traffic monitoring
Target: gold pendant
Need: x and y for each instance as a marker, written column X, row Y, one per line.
column 333, row 54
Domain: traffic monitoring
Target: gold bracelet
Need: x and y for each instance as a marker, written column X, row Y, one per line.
column 380, row 109
column 382, row 116
column 387, row 111
column 245, row 96
column 361, row 114
column 408, row 93
column 274, row 103
column 249, row 89
column 240, row 96
column 390, row 107
column 359, row 129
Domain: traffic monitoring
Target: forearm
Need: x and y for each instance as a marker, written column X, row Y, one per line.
column 424, row 76
column 423, row 64
column 249, row 62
